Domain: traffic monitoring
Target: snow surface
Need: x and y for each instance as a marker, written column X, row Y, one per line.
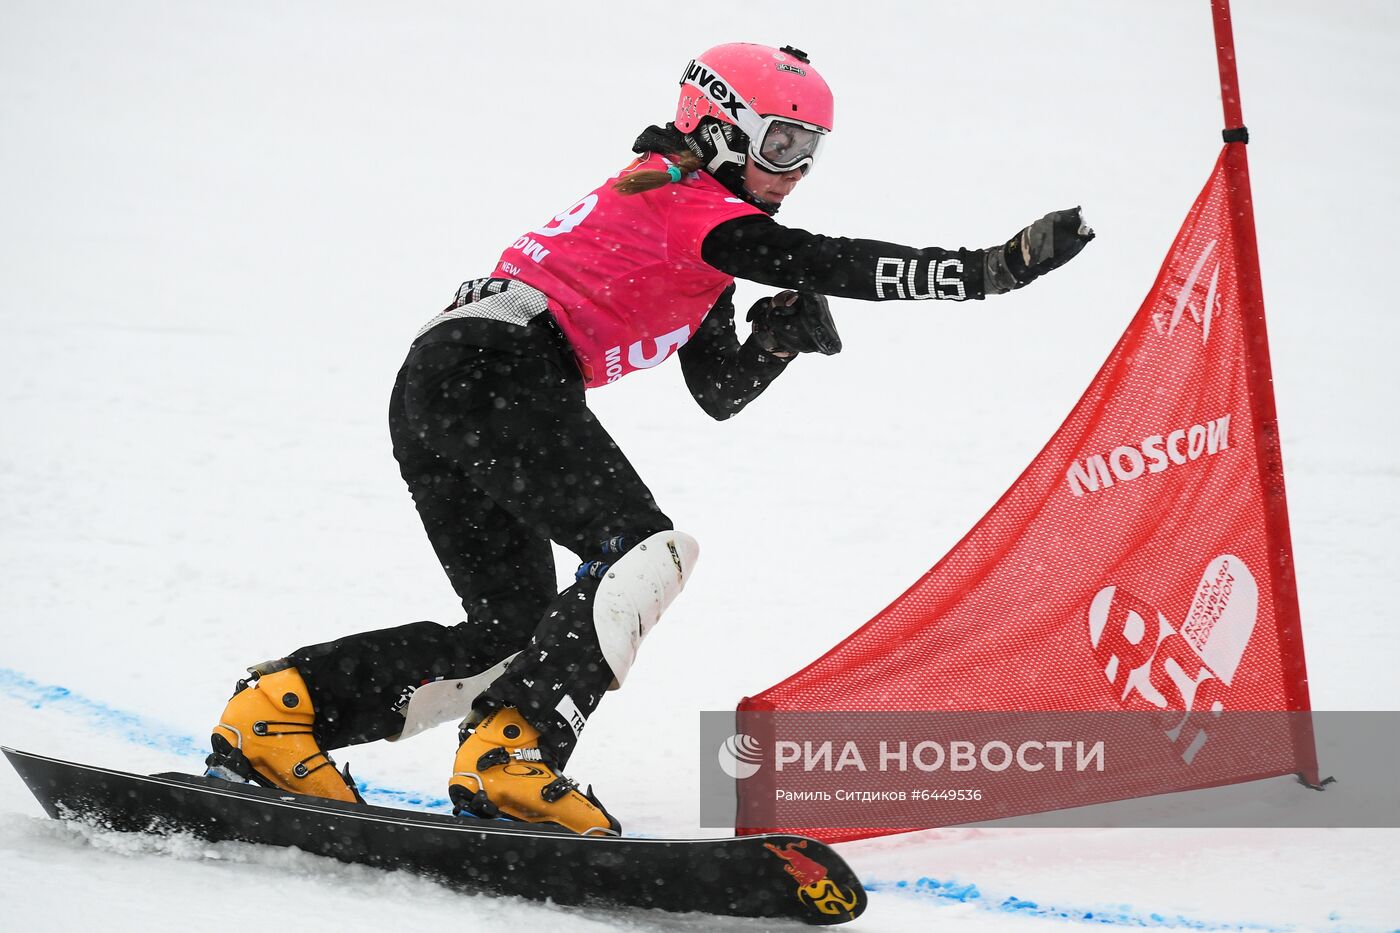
column 221, row 225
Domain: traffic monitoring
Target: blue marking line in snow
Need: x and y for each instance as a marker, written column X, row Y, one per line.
column 404, row 799
column 133, row 728
column 1120, row 916
column 148, row 734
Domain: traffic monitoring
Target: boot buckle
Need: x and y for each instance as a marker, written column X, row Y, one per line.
column 493, row 758
column 558, row 788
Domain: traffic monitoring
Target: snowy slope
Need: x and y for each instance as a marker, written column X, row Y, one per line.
column 221, row 226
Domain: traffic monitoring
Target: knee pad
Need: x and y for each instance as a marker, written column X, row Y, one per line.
column 635, row 591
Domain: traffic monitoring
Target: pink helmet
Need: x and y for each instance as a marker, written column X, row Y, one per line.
column 774, row 96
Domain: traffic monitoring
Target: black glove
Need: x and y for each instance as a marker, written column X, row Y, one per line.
column 1047, row 244
column 794, row 322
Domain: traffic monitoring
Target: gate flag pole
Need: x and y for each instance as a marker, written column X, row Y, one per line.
column 1261, row 381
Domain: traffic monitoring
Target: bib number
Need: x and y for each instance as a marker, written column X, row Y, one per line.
column 637, row 357
column 569, row 218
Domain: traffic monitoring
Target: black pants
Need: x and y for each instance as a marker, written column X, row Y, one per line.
column 501, row 456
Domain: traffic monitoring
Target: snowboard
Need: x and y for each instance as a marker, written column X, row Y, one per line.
column 772, row 875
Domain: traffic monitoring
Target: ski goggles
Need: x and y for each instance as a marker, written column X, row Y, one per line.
column 784, row 145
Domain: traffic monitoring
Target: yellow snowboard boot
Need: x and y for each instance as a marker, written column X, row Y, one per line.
column 265, row 736
column 501, row 771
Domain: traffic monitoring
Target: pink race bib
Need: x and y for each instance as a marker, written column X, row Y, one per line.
column 623, row 272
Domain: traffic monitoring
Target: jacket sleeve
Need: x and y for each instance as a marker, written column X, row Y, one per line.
column 723, row 375
column 760, row 249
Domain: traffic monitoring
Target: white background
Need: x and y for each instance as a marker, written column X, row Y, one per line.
column 221, row 224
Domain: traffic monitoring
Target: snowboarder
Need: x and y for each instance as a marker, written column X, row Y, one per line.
column 502, row 455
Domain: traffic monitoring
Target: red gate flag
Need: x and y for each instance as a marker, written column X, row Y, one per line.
column 1141, row 562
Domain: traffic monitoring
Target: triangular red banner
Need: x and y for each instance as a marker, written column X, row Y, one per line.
column 1142, row 561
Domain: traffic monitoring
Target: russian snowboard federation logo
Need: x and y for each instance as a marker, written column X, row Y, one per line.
column 1223, row 615
column 1150, row 664
column 740, row 756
